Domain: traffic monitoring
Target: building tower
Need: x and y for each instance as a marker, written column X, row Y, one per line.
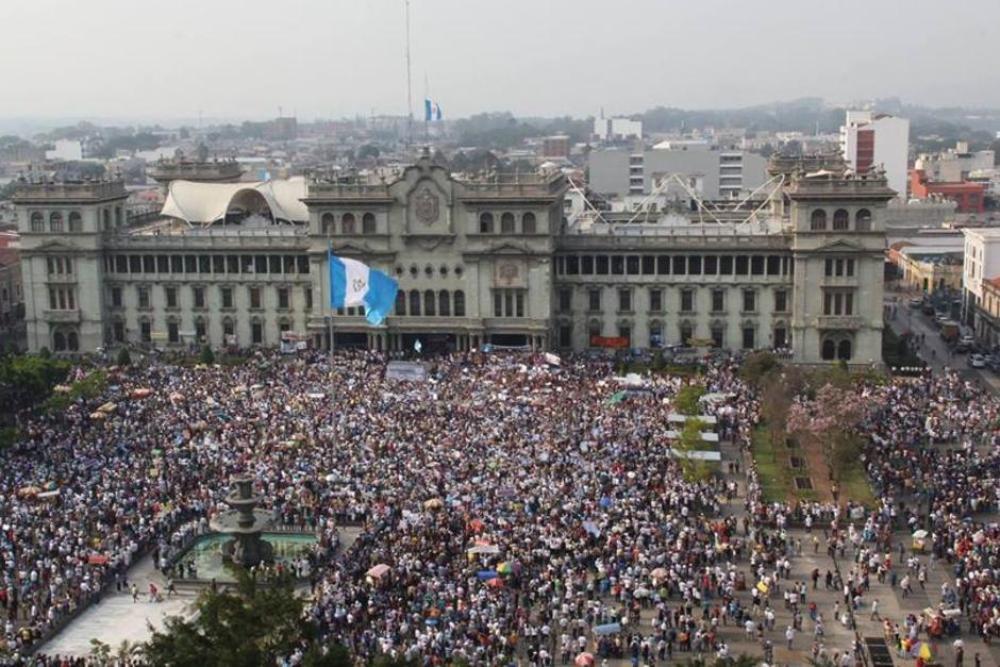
column 63, row 225
column 198, row 168
column 838, row 247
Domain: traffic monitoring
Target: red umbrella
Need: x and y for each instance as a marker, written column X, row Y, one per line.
column 584, row 660
column 97, row 559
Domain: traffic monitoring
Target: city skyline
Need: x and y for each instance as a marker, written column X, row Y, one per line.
column 543, row 59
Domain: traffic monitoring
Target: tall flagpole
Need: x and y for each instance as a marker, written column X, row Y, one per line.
column 409, row 80
column 329, row 287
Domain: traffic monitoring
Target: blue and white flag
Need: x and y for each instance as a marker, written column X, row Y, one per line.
column 355, row 284
column 432, row 110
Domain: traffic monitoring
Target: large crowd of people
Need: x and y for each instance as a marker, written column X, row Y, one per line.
column 509, row 509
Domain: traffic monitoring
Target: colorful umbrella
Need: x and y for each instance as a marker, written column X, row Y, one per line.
column 584, row 660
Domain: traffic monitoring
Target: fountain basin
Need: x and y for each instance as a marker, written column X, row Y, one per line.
column 207, row 554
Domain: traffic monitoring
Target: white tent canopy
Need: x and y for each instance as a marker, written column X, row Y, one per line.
column 205, row 203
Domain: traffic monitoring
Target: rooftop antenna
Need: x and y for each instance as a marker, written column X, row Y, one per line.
column 409, row 79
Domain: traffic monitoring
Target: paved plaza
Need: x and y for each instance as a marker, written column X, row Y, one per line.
column 117, row 618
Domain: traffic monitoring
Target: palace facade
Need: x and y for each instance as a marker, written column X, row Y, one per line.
column 479, row 261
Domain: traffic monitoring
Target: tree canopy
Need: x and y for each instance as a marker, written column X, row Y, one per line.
column 254, row 624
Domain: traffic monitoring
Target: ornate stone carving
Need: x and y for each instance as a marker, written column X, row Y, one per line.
column 427, row 207
column 510, row 273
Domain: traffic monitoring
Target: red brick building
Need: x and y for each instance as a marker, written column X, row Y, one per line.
column 968, row 196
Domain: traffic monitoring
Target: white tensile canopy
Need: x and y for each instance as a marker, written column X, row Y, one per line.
column 205, row 203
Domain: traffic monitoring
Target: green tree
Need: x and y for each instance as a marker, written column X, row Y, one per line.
column 689, row 442
column 686, row 400
column 124, row 358
column 207, row 357
column 757, row 365
column 253, row 625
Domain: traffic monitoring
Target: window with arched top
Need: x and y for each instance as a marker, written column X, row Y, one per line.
column 841, row 220
column 328, row 223
column 75, row 221
column 817, row 222
column 444, row 303
column 368, row 223
column 59, row 341
column 485, row 223
column 400, row 303
column 347, row 223
column 829, row 350
column 415, row 303
column 118, row 216
column 655, row 334
column 459, row 303
column 72, row 341
column 863, row 220
column 718, row 333
column 56, row 222
column 687, row 333
column 594, row 330
column 37, row 222
column 429, row 303
column 528, row 225
column 844, row 350
column 507, row 223
column 106, row 219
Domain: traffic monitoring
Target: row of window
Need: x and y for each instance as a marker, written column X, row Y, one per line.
column 348, row 224
column 838, row 302
column 208, row 264
column 171, row 297
column 508, row 223
column 686, row 333
column 59, row 265
column 509, row 303
column 678, row 265
column 173, row 333
column 72, row 221
column 65, row 340
column 841, row 220
column 656, row 300
column 429, row 271
column 837, row 346
column 62, row 298
column 430, row 303
column 839, row 267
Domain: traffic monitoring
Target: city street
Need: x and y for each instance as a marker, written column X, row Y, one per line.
column 934, row 351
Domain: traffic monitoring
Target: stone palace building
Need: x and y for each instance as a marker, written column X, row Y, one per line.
column 479, row 261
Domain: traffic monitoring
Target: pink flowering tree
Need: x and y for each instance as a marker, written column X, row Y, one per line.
column 830, row 419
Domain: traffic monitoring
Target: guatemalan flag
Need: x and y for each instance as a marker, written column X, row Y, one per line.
column 432, row 110
column 355, row 284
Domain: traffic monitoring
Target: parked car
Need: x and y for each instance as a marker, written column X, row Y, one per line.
column 916, row 302
column 977, row 361
column 927, row 309
column 965, row 344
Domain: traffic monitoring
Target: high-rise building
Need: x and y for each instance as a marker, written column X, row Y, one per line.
column 617, row 129
column 870, row 140
column 709, row 172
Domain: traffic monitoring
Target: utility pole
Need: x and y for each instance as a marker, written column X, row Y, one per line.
column 409, row 80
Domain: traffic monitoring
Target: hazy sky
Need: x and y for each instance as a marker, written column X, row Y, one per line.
column 245, row 58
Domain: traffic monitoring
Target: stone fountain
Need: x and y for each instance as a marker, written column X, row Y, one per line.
column 245, row 523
